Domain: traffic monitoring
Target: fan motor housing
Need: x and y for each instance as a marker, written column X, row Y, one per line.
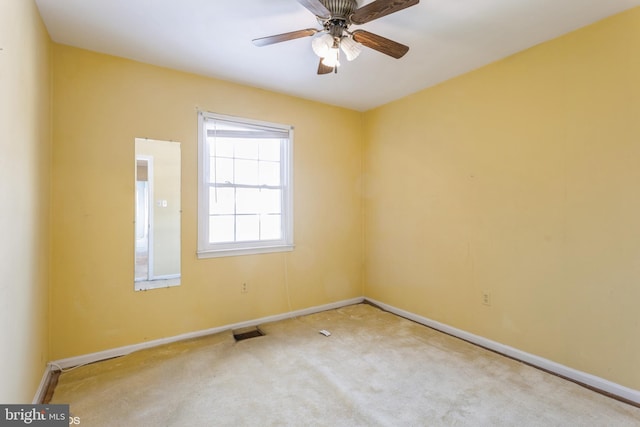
column 340, row 8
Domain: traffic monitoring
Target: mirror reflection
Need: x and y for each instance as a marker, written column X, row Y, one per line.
column 157, row 214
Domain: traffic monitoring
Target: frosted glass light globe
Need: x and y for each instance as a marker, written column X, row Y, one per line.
column 350, row 47
column 321, row 44
column 332, row 58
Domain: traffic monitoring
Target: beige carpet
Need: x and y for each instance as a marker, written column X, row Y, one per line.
column 376, row 369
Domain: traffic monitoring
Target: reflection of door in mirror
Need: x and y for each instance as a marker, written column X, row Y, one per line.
column 157, row 214
column 144, row 168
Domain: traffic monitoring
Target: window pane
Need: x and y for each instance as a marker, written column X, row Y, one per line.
column 270, row 149
column 247, row 200
column 221, row 201
column 221, row 170
column 247, row 228
column 246, row 172
column 221, row 147
column 246, row 149
column 270, row 201
column 221, row 229
column 269, row 173
column 270, row 227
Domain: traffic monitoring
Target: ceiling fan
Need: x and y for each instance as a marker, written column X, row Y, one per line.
column 336, row 17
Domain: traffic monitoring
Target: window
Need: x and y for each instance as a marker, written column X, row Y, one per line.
column 245, row 188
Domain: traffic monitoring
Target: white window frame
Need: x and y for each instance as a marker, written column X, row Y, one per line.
column 212, row 250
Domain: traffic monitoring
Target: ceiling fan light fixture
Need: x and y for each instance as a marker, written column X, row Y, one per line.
column 351, row 48
column 336, row 17
column 321, row 44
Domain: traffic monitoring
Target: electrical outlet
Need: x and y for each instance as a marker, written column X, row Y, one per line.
column 486, row 297
column 244, row 288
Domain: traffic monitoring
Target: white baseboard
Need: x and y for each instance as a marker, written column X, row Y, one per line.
column 44, row 385
column 121, row 351
column 540, row 362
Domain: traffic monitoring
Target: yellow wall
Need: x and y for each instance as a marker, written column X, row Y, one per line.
column 522, row 179
column 25, row 159
column 101, row 104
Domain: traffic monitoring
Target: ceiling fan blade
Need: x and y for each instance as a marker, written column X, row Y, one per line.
column 264, row 41
column 378, row 9
column 323, row 69
column 379, row 43
column 317, row 8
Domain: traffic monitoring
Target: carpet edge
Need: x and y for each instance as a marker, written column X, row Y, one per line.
column 598, row 384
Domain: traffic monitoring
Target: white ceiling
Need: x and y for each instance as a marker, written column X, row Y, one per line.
column 213, row 38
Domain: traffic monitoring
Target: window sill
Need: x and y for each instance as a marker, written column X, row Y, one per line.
column 244, row 251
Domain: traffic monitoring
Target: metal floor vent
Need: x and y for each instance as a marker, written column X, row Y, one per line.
column 246, row 333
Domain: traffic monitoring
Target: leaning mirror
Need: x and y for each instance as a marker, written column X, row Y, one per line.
column 157, row 214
